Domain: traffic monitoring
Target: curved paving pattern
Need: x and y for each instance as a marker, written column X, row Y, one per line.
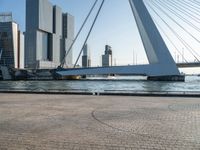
column 154, row 122
column 88, row 122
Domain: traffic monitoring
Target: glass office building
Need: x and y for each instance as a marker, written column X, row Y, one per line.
column 11, row 42
column 107, row 57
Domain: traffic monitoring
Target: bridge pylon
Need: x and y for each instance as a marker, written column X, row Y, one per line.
column 154, row 45
column 161, row 65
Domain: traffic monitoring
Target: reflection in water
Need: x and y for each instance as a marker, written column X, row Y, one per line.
column 118, row 84
column 157, row 86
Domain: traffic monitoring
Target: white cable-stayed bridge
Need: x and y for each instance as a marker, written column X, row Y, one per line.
column 154, row 19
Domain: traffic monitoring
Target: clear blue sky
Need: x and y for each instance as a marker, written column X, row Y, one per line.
column 111, row 28
column 115, row 26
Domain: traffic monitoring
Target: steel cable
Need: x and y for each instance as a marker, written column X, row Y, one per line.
column 173, row 31
column 99, row 10
column 82, row 26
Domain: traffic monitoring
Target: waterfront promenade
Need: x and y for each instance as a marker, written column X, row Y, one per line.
column 76, row 122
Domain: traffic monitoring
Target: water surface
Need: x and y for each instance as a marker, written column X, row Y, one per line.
column 105, row 84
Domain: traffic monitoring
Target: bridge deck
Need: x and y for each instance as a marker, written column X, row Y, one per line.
column 188, row 65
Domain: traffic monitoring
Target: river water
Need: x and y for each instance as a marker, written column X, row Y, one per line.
column 106, row 84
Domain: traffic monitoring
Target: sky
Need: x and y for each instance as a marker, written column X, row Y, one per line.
column 115, row 27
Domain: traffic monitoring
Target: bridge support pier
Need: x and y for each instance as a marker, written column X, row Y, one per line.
column 179, row 78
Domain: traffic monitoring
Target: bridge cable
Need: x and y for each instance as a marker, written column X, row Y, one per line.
column 188, row 32
column 192, row 49
column 179, row 16
column 189, row 8
column 195, row 2
column 99, row 10
column 174, row 32
column 193, row 5
column 184, row 6
column 169, row 40
column 183, row 11
column 77, row 35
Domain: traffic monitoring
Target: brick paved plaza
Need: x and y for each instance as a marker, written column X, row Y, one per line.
column 34, row 122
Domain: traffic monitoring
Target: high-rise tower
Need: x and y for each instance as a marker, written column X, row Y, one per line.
column 68, row 37
column 107, row 57
column 86, row 60
column 11, row 42
column 44, row 35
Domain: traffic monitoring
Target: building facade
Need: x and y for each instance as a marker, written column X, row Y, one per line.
column 107, row 57
column 86, row 60
column 68, row 37
column 44, row 40
column 11, row 43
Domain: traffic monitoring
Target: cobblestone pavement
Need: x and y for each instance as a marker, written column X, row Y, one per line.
column 45, row 122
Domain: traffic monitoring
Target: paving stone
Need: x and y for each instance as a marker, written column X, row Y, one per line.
column 72, row 122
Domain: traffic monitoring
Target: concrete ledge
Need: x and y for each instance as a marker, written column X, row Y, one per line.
column 151, row 94
column 46, row 92
column 143, row 94
column 179, row 78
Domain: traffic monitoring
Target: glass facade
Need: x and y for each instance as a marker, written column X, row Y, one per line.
column 6, row 45
column 1, row 75
column 11, row 45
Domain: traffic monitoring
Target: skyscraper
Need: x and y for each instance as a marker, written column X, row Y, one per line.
column 45, row 42
column 11, row 42
column 68, row 37
column 107, row 57
column 86, row 61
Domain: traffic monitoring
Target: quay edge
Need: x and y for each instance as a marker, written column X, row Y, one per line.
column 175, row 78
